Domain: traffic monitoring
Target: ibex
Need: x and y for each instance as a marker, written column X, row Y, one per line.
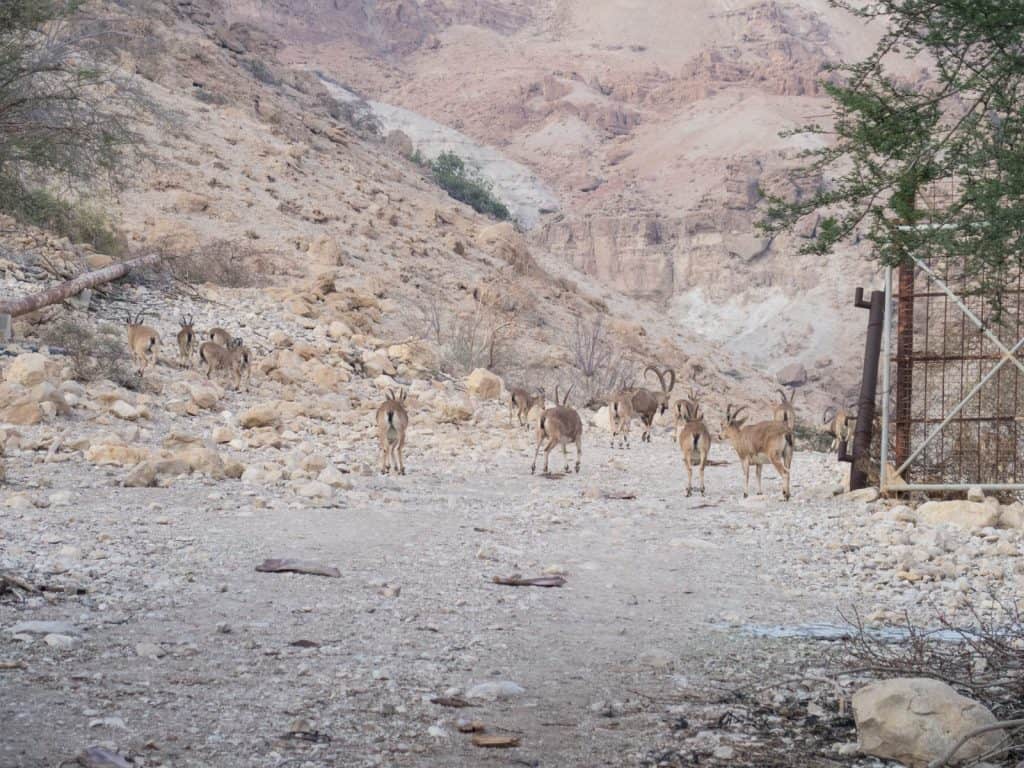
column 838, row 424
column 234, row 359
column 220, row 336
column 522, row 402
column 144, row 343
column 186, row 340
column 758, row 444
column 784, row 410
column 240, row 361
column 646, row 403
column 392, row 422
column 620, row 414
column 694, row 439
column 560, row 425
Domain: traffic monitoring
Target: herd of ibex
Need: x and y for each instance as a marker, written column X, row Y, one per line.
column 765, row 442
column 221, row 351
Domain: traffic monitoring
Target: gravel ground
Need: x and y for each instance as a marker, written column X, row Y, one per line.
column 183, row 654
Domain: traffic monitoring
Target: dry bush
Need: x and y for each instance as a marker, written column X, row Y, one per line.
column 222, row 262
column 599, row 369
column 94, row 353
column 479, row 337
column 981, row 655
column 476, row 339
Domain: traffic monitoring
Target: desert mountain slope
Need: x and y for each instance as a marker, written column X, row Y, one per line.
column 656, row 124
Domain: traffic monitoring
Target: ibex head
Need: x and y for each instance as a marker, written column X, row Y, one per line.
column 733, row 422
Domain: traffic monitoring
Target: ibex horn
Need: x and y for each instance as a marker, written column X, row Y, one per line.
column 661, row 378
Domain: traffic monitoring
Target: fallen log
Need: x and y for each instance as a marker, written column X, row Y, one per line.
column 25, row 304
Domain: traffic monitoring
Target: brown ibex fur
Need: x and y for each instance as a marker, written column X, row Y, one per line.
column 234, row 359
column 559, row 425
column 647, row 404
column 620, row 414
column 392, row 422
column 758, row 444
column 144, row 343
column 784, row 410
column 522, row 402
column 838, row 424
column 186, row 340
column 220, row 336
column 693, row 437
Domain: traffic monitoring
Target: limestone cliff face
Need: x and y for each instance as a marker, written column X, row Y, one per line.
column 632, row 253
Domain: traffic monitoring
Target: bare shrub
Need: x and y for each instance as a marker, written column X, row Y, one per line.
column 94, row 353
column 980, row 654
column 476, row 339
column 479, row 337
column 428, row 317
column 599, row 369
column 222, row 262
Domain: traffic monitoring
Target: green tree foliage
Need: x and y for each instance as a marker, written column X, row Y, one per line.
column 63, row 115
column 465, row 185
column 891, row 139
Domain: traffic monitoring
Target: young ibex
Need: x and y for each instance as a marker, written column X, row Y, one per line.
column 234, row 359
column 620, row 414
column 144, row 343
column 522, row 402
column 220, row 336
column 241, row 362
column 186, row 340
column 694, row 439
column 839, row 423
column 758, row 444
column 784, row 410
column 560, row 425
column 392, row 422
column 647, row 404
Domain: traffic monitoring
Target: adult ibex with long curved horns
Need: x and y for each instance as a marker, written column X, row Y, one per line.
column 647, row 404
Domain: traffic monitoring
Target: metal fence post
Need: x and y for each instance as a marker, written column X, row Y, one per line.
column 868, row 389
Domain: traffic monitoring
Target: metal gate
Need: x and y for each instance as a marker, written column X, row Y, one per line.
column 952, row 381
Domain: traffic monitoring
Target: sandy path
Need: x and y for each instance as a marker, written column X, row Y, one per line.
column 650, row 582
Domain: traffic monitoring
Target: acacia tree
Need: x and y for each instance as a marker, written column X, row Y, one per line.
column 63, row 114
column 961, row 126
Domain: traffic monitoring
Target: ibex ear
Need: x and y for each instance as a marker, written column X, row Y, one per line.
column 405, row 394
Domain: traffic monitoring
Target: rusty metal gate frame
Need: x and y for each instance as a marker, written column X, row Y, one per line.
column 1008, row 354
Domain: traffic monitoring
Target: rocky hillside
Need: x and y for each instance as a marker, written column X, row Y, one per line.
column 658, row 129
column 291, row 223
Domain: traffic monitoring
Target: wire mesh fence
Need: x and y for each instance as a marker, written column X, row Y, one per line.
column 941, row 356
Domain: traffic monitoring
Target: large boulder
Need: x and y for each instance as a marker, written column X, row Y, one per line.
column 916, row 720
column 28, row 369
column 1012, row 515
column 265, row 415
column 205, row 394
column 793, row 375
column 966, row 514
column 484, row 385
column 376, row 362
